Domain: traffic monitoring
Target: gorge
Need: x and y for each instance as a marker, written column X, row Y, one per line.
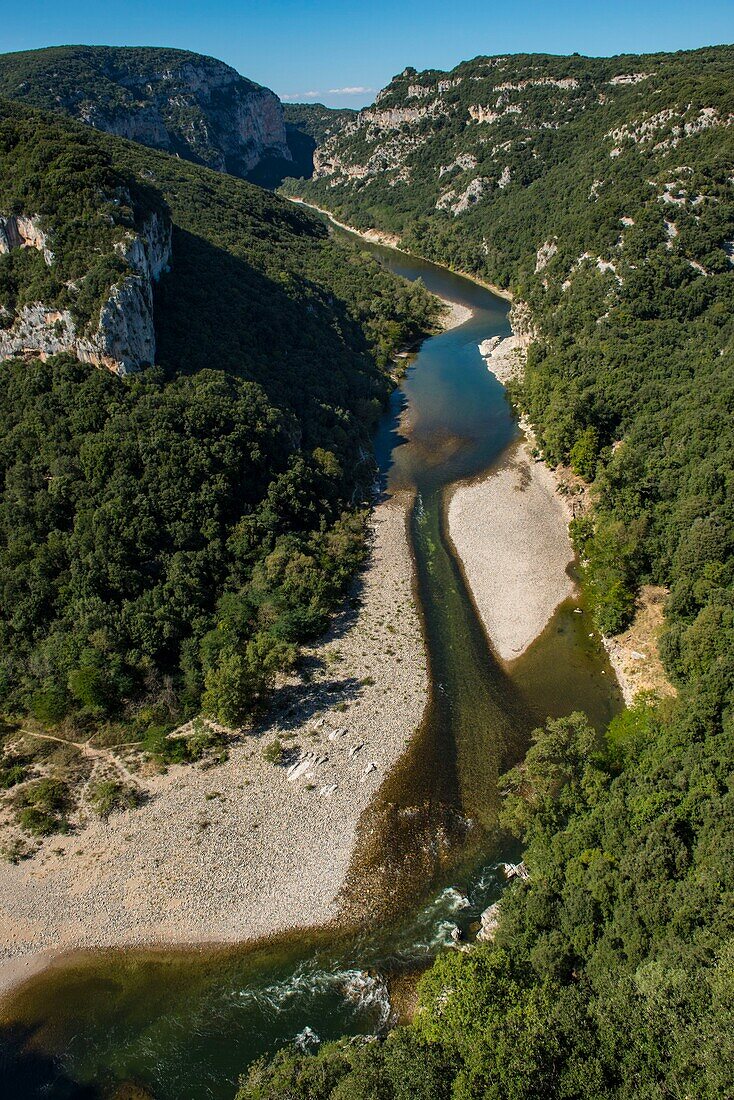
column 428, row 855
column 255, row 682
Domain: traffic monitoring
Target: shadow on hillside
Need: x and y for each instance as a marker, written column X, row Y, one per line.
column 216, row 310
column 271, row 171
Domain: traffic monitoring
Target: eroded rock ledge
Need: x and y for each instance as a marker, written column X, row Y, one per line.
column 123, row 337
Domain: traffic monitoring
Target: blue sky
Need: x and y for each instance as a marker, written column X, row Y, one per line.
column 342, row 52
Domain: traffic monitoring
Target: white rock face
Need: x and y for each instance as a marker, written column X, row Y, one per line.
column 391, row 117
column 24, row 231
column 185, row 103
column 566, row 83
column 457, row 204
column 124, row 339
column 544, row 255
column 630, row 78
column 505, row 358
column 490, row 922
column 506, row 177
column 478, row 113
column 667, row 128
column 488, row 114
column 419, row 91
column 464, row 162
column 148, row 252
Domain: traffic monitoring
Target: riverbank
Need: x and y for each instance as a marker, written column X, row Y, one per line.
column 245, row 849
column 525, row 550
column 455, row 315
column 392, row 240
column 634, row 654
column 510, row 532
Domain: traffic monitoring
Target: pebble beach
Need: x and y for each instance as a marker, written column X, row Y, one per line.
column 247, row 848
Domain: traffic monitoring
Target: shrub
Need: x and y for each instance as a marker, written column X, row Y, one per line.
column 111, row 795
column 43, row 807
column 203, row 742
column 274, row 752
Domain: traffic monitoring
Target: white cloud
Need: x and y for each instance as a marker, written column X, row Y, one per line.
column 350, row 91
column 300, row 96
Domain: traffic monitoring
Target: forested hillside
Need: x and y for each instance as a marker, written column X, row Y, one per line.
column 600, row 191
column 186, row 103
column 172, row 536
column 191, row 105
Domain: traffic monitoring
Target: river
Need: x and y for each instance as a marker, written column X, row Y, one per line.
column 185, row 1024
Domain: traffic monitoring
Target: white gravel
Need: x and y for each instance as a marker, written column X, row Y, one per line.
column 241, row 850
column 510, row 531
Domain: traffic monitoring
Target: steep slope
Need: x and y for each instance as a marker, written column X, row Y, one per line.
column 191, row 105
column 307, row 125
column 600, row 190
column 317, row 121
column 181, row 529
column 456, row 159
column 78, row 263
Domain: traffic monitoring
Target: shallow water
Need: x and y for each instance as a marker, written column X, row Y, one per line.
column 185, row 1024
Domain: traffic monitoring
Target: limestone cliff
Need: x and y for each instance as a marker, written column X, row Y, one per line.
column 191, row 105
column 122, row 337
column 20, row 231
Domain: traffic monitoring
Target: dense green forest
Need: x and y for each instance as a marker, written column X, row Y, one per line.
column 612, row 971
column 170, row 538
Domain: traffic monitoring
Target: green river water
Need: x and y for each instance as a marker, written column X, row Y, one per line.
column 184, row 1024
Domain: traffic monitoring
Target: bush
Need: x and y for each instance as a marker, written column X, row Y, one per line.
column 240, row 682
column 43, row 807
column 111, row 795
column 49, row 705
column 202, row 743
column 274, row 752
column 584, row 454
column 91, row 687
column 11, row 775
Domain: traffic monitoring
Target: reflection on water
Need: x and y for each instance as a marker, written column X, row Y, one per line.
column 187, row 1023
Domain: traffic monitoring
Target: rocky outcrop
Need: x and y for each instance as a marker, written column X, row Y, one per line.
column 667, row 128
column 506, row 356
column 463, row 163
column 545, row 254
column 471, row 195
column 124, row 337
column 185, row 103
column 490, row 920
column 149, row 251
column 478, row 113
column 23, row 231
